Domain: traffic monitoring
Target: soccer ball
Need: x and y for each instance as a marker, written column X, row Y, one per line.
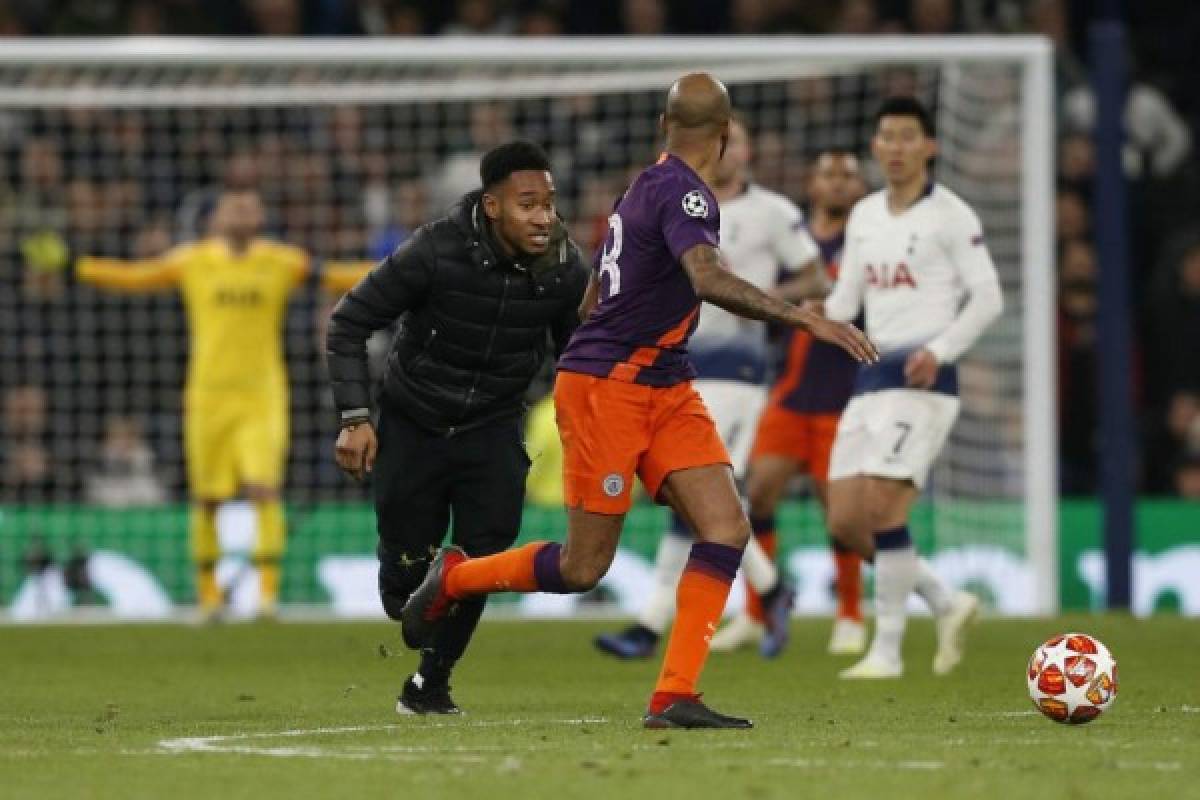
column 1072, row 678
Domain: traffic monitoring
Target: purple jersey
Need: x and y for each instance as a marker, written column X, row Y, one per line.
column 819, row 376
column 639, row 330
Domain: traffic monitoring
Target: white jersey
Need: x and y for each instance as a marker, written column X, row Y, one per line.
column 762, row 233
column 912, row 271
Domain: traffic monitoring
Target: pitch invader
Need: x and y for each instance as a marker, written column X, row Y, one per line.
column 916, row 263
column 762, row 233
column 796, row 431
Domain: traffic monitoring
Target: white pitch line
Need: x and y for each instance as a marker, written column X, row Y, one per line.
column 1161, row 766
column 802, row 763
column 218, row 744
column 230, row 743
column 700, row 745
column 821, row 763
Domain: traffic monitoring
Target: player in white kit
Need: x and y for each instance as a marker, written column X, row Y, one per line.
column 762, row 233
column 916, row 262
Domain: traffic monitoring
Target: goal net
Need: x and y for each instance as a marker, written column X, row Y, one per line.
column 119, row 148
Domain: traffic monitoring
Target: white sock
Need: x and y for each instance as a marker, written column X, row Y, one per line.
column 936, row 594
column 757, row 567
column 672, row 556
column 895, row 576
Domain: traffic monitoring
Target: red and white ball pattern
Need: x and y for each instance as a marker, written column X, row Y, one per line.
column 1072, row 678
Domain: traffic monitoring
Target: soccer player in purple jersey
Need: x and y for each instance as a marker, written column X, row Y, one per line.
column 626, row 406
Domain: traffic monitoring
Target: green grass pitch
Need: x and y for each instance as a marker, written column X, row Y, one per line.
column 306, row 710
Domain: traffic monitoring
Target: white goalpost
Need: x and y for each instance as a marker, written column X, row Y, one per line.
column 117, row 147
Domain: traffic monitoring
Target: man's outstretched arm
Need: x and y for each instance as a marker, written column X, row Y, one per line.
column 117, row 275
column 717, row 285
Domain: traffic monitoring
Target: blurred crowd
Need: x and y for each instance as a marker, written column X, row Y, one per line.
column 89, row 384
column 511, row 17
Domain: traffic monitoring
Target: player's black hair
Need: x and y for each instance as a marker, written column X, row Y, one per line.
column 907, row 107
column 833, row 150
column 515, row 156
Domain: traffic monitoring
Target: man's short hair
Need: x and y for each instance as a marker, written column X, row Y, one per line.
column 502, row 161
column 834, row 151
column 907, row 107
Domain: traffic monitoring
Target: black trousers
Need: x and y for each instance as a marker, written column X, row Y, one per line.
column 425, row 483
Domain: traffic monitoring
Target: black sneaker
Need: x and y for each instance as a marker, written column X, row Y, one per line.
column 692, row 714
column 429, row 602
column 777, row 614
column 636, row 641
column 426, row 699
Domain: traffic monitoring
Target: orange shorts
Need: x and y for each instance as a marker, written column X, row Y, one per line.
column 612, row 430
column 807, row 439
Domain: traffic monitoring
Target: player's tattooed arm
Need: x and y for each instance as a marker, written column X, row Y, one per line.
column 808, row 283
column 715, row 284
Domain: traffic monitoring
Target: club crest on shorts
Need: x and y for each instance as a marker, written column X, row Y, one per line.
column 613, row 485
column 694, row 204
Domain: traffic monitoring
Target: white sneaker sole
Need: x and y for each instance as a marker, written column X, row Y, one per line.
column 848, row 638
column 872, row 671
column 405, row 711
column 952, row 634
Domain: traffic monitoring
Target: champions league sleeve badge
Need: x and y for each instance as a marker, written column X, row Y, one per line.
column 694, row 204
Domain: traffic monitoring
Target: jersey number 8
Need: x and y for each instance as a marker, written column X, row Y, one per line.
column 608, row 258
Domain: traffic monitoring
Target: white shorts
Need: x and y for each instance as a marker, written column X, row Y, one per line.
column 735, row 407
column 894, row 433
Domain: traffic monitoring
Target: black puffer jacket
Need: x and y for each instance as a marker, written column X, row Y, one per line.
column 474, row 327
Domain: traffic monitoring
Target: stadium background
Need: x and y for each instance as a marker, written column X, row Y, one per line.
column 90, row 457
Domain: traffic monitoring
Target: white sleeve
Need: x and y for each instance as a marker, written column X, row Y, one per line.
column 794, row 247
column 969, row 255
column 846, row 299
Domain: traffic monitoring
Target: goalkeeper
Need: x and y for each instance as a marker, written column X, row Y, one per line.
column 235, row 289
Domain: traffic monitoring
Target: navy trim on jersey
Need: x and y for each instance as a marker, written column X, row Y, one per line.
column 930, row 185
column 729, row 362
column 831, row 248
column 888, row 373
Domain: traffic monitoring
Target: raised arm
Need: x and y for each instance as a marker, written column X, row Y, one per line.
column 299, row 265
column 339, row 277
column 129, row 276
column 717, row 285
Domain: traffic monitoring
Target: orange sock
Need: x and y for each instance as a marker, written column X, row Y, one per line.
column 699, row 602
column 849, row 583
column 510, row 571
column 770, row 544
